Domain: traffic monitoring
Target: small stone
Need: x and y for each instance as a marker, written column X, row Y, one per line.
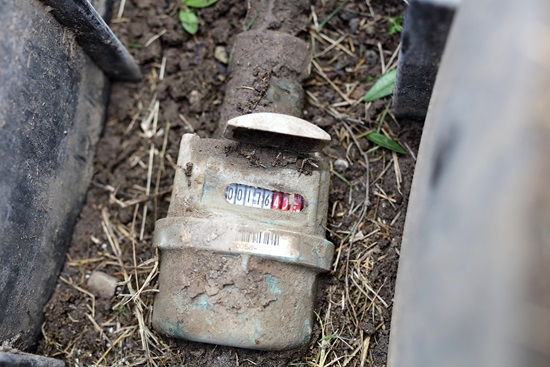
column 195, row 100
column 221, row 55
column 370, row 29
column 372, row 57
column 353, row 25
column 367, row 327
column 384, row 244
column 195, row 97
column 102, row 284
column 340, row 165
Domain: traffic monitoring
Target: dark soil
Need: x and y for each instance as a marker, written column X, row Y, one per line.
column 134, row 170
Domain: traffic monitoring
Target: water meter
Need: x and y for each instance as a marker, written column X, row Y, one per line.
column 244, row 238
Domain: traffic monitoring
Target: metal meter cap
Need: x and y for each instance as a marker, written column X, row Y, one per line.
column 277, row 131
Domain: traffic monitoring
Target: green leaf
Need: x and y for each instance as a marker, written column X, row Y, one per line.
column 340, row 7
column 396, row 25
column 249, row 25
column 385, row 142
column 198, row 3
column 342, row 178
column 189, row 21
column 382, row 88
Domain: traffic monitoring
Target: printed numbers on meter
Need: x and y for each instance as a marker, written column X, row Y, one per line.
column 256, row 197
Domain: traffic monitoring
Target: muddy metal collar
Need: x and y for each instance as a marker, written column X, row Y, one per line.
column 216, row 235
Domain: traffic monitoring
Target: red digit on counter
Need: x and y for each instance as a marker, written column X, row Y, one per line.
column 286, row 203
column 277, row 201
column 298, row 203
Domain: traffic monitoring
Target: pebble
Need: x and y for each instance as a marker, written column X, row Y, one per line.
column 353, row 25
column 195, row 101
column 102, row 284
column 221, row 55
column 340, row 165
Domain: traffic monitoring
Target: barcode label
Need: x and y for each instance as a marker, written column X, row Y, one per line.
column 265, row 242
column 261, row 238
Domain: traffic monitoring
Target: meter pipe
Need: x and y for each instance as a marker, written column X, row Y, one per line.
column 268, row 62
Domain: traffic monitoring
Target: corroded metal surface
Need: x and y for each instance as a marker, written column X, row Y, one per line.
column 239, row 238
column 237, row 300
column 274, row 65
column 235, row 274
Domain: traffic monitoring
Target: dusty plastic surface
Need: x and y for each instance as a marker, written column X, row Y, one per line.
column 95, row 37
column 277, row 131
column 237, row 275
column 52, row 105
column 473, row 285
column 14, row 358
column 427, row 24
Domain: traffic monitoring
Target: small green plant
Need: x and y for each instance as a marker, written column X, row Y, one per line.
column 249, row 25
column 120, row 310
column 385, row 142
column 396, row 25
column 381, row 140
column 188, row 18
column 382, row 88
column 329, row 17
column 134, row 45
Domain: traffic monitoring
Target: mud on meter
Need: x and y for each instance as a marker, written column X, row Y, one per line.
column 244, row 237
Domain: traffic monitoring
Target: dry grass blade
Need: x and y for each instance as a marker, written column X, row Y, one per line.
column 148, row 188
column 82, row 290
column 324, row 76
column 365, row 350
column 329, row 48
column 98, row 328
column 118, row 340
column 145, row 284
column 390, row 65
column 141, row 199
column 154, row 38
column 397, row 169
column 144, row 334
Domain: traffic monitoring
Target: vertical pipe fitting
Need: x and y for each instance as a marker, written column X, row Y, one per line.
column 268, row 63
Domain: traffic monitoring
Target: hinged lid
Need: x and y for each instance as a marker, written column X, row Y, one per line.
column 277, row 131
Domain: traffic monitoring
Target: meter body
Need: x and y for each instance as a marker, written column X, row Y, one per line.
column 244, row 238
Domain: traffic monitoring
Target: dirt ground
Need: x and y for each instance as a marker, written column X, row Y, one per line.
column 181, row 92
